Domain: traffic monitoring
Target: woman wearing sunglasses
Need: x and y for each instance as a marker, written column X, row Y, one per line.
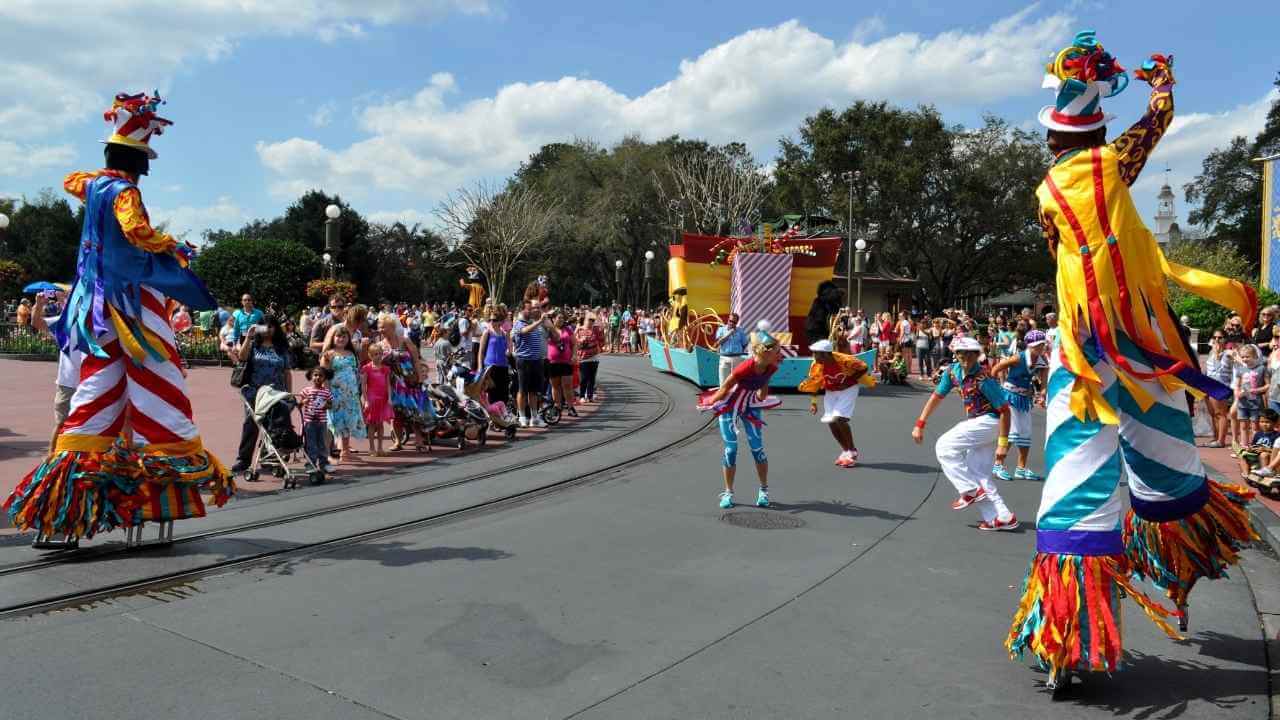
column 1219, row 366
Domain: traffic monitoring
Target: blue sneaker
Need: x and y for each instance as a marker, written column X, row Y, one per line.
column 1026, row 474
column 726, row 500
column 762, row 498
column 1000, row 472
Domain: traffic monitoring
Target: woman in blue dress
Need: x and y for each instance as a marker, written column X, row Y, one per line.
column 346, row 419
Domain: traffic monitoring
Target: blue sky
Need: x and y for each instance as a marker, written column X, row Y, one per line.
column 393, row 103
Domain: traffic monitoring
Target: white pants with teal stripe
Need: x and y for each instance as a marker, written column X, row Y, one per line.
column 1082, row 503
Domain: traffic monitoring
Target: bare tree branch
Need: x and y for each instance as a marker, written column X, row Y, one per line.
column 494, row 228
column 715, row 191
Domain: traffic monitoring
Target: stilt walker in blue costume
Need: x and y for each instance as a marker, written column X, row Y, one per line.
column 1115, row 399
column 128, row 451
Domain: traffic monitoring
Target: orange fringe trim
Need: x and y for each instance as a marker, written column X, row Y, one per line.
column 1069, row 615
column 1176, row 553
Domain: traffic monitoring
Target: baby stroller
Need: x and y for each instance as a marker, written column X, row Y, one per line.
column 278, row 442
column 500, row 422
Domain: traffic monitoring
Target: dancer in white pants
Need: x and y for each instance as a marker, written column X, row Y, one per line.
column 965, row 450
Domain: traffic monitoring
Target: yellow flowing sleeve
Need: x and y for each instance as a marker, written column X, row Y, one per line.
column 136, row 225
column 76, row 183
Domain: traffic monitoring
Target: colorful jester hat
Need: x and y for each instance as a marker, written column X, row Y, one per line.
column 1081, row 74
column 133, row 119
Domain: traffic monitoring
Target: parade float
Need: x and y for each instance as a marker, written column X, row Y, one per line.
column 766, row 278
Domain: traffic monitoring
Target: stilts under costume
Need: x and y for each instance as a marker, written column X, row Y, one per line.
column 128, row 451
column 1115, row 392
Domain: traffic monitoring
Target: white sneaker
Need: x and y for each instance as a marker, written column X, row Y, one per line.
column 524, row 421
column 538, row 421
column 1264, row 472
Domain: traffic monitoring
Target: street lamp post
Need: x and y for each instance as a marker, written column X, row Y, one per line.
column 859, row 266
column 328, row 263
column 332, row 241
column 4, row 221
column 849, row 177
column 617, row 281
column 648, row 294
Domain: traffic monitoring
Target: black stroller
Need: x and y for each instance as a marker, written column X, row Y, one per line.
column 278, row 442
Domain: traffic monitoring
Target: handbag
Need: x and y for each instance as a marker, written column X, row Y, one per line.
column 241, row 373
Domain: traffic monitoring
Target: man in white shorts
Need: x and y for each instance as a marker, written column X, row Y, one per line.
column 841, row 377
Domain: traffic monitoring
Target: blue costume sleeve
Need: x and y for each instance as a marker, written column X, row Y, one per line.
column 945, row 383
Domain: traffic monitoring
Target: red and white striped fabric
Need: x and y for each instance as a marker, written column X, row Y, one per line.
column 761, row 289
column 154, row 393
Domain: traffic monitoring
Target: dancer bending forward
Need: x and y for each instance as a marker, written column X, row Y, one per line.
column 965, row 451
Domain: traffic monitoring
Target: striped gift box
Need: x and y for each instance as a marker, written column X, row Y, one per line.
column 760, row 289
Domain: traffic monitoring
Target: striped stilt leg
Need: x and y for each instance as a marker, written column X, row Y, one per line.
column 176, row 467
column 1069, row 616
column 1182, row 526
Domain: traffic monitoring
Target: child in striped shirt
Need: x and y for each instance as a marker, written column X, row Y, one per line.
column 316, row 401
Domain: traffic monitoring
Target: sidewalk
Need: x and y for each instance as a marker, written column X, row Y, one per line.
column 26, row 423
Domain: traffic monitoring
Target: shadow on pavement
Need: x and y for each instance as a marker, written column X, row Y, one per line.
column 386, row 554
column 1152, row 687
column 836, row 507
column 909, row 468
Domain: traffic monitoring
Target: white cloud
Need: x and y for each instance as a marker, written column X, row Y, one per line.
column 22, row 160
column 408, row 217
column 58, row 57
column 1191, row 137
column 190, row 221
column 753, row 87
column 323, row 114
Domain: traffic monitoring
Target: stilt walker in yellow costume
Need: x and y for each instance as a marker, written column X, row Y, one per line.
column 128, row 451
column 1115, row 393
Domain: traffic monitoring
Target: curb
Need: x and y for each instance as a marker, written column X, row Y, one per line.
column 1264, row 586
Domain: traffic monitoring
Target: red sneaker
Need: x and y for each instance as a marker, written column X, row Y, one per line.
column 846, row 461
column 968, row 499
column 998, row 524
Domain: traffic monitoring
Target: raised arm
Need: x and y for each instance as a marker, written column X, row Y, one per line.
column 1134, row 147
column 77, row 183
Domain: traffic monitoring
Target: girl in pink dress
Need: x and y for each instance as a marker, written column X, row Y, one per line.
column 375, row 381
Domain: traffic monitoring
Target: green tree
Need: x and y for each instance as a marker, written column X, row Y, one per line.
column 1218, row 258
column 953, row 207
column 1227, row 193
column 43, row 237
column 12, row 278
column 272, row 270
column 410, row 264
column 304, row 221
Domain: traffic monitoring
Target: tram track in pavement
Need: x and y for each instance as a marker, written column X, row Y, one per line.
column 134, row 586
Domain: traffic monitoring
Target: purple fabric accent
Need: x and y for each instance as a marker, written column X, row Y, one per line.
column 1079, row 542
column 1172, row 509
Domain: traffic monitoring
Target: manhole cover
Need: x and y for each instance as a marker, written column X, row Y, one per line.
column 762, row 520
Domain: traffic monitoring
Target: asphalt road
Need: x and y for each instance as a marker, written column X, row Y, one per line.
column 637, row 597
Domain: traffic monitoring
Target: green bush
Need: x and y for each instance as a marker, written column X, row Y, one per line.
column 271, row 270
